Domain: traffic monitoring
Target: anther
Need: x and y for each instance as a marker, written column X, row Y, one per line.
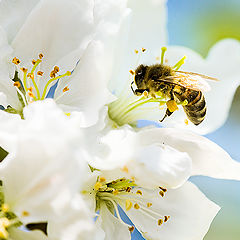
column 30, row 89
column 163, row 189
column 4, row 207
column 97, row 186
column 160, row 222
column 102, row 179
column 136, row 51
column 139, row 192
column 186, row 121
column 166, row 218
column 125, row 169
column 30, row 75
column 143, row 49
column 145, row 94
column 53, row 74
column 16, row 61
column 132, row 72
column 40, row 73
column 115, row 192
column 65, row 89
column 131, row 229
column 17, row 84
column 31, row 94
column 136, row 206
column 40, row 55
column 34, row 62
column 25, row 214
column 128, row 205
column 24, row 69
column 149, row 204
column 161, row 193
column 56, row 69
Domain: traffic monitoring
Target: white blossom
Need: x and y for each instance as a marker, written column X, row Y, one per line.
column 37, row 174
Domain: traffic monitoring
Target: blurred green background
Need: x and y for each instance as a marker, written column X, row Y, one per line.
column 199, row 25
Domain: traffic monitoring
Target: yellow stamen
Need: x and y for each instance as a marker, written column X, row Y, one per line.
column 149, row 204
column 186, row 121
column 131, row 229
column 34, row 62
column 4, row 223
column 30, row 75
column 164, row 49
column 40, row 55
column 128, row 205
column 132, row 72
column 35, row 65
column 143, row 49
column 56, row 69
column 161, row 193
column 24, row 69
column 115, row 192
column 166, row 218
column 31, row 94
column 102, row 179
column 68, row 73
column 163, row 189
column 136, row 206
column 68, row 114
column 40, row 73
column 17, row 84
column 5, row 207
column 30, row 89
column 16, row 61
column 53, row 74
column 65, row 89
column 172, row 105
column 139, row 192
column 25, row 214
column 179, row 63
column 97, row 186
column 125, row 169
column 160, row 222
column 136, row 51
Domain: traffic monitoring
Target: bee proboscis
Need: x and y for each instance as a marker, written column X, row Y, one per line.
column 177, row 86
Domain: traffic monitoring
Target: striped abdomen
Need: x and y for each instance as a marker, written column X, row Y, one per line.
column 196, row 108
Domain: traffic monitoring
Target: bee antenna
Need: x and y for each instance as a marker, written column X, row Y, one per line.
column 132, row 86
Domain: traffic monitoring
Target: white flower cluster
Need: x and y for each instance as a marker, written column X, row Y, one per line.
column 76, row 157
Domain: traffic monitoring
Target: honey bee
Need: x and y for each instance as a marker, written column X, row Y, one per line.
column 177, row 86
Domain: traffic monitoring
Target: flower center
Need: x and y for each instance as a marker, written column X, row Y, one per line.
column 129, row 108
column 125, row 193
column 7, row 218
column 29, row 83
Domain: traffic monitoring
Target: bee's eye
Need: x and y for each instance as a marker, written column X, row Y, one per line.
column 166, row 74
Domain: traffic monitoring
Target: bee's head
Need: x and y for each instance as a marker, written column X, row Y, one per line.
column 140, row 73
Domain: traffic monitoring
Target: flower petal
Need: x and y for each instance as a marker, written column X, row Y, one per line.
column 159, row 165
column 17, row 234
column 207, row 157
column 13, row 14
column 112, row 227
column 151, row 13
column 68, row 30
column 191, row 214
column 42, row 147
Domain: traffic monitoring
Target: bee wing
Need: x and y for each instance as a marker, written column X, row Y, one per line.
column 189, row 80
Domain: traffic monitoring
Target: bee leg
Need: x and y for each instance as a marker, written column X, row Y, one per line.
column 139, row 92
column 167, row 114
